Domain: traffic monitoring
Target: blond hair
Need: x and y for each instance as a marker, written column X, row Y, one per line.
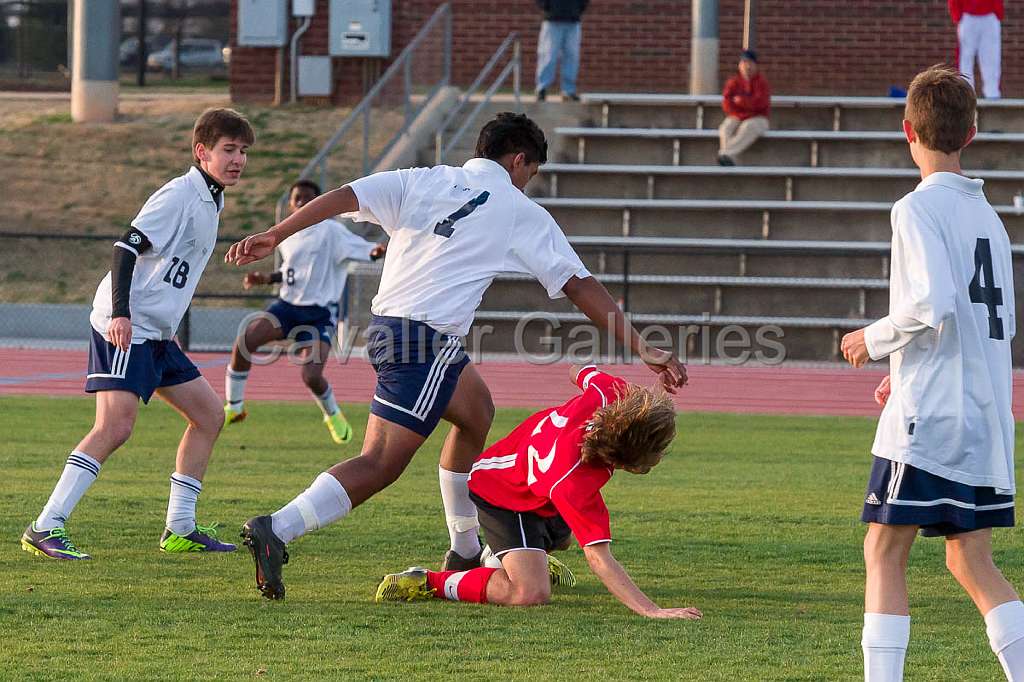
column 631, row 433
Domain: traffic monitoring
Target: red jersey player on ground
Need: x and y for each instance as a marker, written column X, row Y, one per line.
column 542, row 483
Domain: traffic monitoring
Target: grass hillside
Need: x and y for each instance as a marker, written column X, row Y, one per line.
column 61, row 177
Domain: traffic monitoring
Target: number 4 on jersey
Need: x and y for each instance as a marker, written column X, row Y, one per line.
column 988, row 294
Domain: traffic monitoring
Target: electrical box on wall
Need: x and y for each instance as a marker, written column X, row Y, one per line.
column 314, row 76
column 262, row 23
column 303, row 8
column 360, row 28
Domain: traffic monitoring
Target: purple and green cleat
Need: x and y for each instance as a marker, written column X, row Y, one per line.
column 202, row 539
column 53, row 543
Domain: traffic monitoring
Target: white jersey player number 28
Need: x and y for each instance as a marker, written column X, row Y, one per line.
column 534, row 458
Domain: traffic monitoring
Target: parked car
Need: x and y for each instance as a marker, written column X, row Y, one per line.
column 193, row 53
column 129, row 50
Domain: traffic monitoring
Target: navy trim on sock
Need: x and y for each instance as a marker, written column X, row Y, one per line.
column 185, row 484
column 83, row 463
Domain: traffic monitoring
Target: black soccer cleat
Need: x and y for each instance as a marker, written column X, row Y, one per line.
column 453, row 561
column 268, row 553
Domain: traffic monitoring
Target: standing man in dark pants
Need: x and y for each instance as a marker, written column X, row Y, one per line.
column 559, row 39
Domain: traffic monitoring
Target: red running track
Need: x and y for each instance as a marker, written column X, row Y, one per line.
column 748, row 389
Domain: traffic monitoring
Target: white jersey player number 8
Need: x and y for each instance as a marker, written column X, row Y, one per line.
column 534, row 458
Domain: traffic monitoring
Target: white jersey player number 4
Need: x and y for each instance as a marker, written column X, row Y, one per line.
column 543, row 463
column 988, row 294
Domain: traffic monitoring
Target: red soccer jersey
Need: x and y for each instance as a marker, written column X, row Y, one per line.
column 958, row 8
column 537, row 468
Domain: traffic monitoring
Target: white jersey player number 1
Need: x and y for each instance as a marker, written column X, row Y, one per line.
column 543, row 463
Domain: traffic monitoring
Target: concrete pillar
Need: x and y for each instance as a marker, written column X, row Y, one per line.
column 704, row 48
column 94, row 71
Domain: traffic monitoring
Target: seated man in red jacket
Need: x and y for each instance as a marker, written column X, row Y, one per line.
column 745, row 102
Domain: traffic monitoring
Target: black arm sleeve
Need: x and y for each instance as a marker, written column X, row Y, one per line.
column 276, row 277
column 126, row 251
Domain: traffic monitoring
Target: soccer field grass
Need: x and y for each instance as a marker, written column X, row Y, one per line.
column 752, row 519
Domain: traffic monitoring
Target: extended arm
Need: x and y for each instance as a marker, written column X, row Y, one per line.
column 618, row 582
column 596, row 303
column 122, row 268
column 252, row 249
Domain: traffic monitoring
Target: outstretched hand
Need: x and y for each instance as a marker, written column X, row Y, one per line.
column 671, row 372
column 252, row 279
column 687, row 613
column 251, row 249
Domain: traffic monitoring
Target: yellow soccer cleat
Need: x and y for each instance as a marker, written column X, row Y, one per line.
column 340, row 430
column 409, row 585
column 232, row 416
column 561, row 575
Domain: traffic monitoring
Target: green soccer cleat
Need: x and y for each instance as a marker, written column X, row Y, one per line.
column 53, row 543
column 409, row 585
column 202, row 539
column 340, row 430
column 561, row 575
column 232, row 416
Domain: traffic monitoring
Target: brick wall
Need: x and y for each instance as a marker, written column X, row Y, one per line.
column 853, row 47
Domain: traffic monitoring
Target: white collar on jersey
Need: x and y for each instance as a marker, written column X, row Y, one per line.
column 481, row 165
column 953, row 181
column 199, row 183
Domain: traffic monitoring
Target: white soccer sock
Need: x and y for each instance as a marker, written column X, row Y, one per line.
column 322, row 503
column 1005, row 625
column 459, row 512
column 181, row 504
column 884, row 643
column 79, row 473
column 487, row 558
column 234, row 388
column 328, row 405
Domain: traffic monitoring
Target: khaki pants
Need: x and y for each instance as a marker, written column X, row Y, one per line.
column 735, row 136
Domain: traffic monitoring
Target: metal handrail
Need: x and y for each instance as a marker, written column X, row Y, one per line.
column 317, row 165
column 514, row 66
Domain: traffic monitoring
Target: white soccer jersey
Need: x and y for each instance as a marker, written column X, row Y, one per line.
column 312, row 265
column 180, row 220
column 947, row 335
column 453, row 230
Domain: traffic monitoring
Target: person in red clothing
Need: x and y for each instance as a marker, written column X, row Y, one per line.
column 542, row 483
column 978, row 28
column 745, row 100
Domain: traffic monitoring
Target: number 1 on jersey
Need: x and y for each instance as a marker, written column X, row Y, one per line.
column 446, row 228
column 988, row 294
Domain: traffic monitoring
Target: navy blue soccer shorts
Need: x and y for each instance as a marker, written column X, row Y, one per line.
column 307, row 322
column 141, row 369
column 900, row 494
column 417, row 371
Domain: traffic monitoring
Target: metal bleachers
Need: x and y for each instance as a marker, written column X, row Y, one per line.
column 676, row 146
column 795, row 238
column 653, row 181
column 788, row 112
